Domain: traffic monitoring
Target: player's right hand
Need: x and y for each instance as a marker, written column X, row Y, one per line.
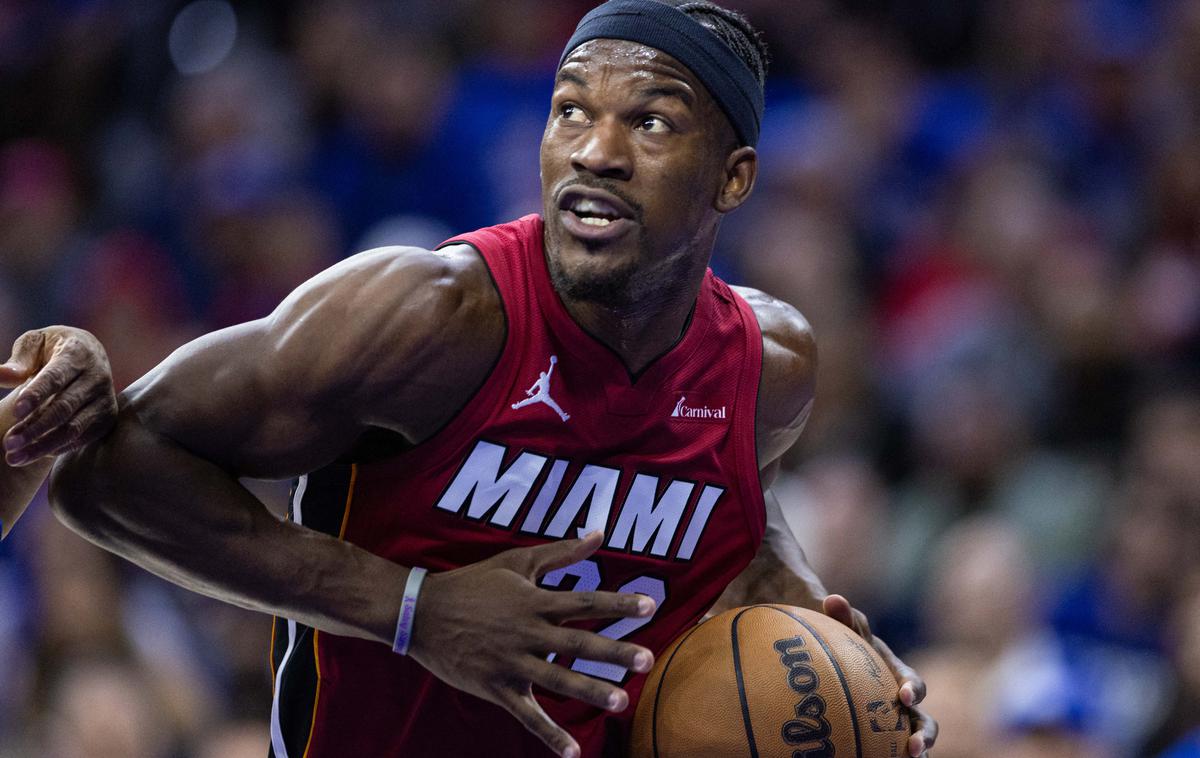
column 67, row 399
column 487, row 629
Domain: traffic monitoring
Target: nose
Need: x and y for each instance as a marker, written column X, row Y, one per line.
column 605, row 151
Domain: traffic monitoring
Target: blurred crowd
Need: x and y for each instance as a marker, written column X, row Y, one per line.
column 988, row 209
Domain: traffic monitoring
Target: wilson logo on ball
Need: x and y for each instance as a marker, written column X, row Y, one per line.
column 810, row 727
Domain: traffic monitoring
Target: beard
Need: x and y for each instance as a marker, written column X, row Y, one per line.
column 632, row 285
column 612, row 287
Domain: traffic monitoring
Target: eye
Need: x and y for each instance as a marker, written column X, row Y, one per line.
column 572, row 113
column 653, row 124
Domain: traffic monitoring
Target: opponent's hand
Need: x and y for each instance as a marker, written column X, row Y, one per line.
column 68, row 400
column 487, row 629
column 912, row 686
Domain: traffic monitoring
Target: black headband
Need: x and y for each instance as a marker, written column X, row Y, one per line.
column 663, row 27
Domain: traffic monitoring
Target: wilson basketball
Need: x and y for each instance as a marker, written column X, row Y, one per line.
column 767, row 681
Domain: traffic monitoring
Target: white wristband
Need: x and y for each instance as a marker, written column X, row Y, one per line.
column 408, row 608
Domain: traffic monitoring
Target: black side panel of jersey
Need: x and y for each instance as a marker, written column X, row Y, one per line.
column 319, row 502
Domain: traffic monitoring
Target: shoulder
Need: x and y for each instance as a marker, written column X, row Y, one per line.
column 395, row 338
column 366, row 284
column 381, row 327
column 789, row 369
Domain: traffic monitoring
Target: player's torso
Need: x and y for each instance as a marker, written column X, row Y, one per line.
column 559, row 441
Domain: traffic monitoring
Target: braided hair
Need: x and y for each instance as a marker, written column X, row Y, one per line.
column 734, row 29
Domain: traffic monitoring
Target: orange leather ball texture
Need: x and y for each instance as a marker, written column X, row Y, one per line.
column 770, row 681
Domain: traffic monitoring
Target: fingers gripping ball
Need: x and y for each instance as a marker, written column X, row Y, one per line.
column 770, row 681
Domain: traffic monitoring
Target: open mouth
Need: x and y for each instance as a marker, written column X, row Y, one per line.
column 594, row 214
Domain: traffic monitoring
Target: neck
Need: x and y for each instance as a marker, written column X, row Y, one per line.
column 642, row 332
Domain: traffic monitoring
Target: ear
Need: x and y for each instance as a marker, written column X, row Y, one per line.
column 741, row 171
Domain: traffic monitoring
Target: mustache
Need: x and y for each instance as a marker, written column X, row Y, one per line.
column 600, row 184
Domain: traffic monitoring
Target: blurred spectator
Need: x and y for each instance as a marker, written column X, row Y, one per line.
column 39, row 223
column 103, row 710
column 973, row 382
column 837, row 507
column 1178, row 736
column 236, row 740
column 1054, row 741
column 127, row 293
column 999, row 681
column 989, row 213
column 1110, row 619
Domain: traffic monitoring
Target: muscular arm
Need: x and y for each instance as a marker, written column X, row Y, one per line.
column 780, row 572
column 357, row 347
column 392, row 339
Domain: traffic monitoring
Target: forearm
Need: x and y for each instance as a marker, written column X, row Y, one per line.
column 145, row 498
column 780, row 572
column 18, row 484
column 770, row 579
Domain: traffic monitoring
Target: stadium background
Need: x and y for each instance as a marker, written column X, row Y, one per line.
column 990, row 212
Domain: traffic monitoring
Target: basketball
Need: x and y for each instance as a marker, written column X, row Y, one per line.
column 768, row 681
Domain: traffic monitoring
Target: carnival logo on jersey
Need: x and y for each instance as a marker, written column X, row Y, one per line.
column 659, row 517
column 698, row 412
column 540, row 393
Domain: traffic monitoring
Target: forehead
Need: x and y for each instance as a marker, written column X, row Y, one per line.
column 600, row 58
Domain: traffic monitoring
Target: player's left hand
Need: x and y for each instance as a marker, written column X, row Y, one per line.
column 68, row 398
column 912, row 686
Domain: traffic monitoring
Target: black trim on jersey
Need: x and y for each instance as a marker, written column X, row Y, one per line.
column 324, row 505
column 322, row 509
column 375, row 444
column 298, row 691
column 279, row 641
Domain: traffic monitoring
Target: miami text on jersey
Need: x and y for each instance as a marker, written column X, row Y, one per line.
column 646, row 521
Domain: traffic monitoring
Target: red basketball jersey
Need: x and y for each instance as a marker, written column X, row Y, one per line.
column 559, row 441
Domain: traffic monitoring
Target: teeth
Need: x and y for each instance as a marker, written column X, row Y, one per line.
column 593, row 208
column 593, row 221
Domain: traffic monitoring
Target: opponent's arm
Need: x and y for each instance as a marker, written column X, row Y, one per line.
column 393, row 339
column 780, row 572
column 18, row 484
column 64, row 399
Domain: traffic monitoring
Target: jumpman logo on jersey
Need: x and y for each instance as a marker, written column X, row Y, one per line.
column 540, row 392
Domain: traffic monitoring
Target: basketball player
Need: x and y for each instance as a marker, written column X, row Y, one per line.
column 64, row 400
column 570, row 401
